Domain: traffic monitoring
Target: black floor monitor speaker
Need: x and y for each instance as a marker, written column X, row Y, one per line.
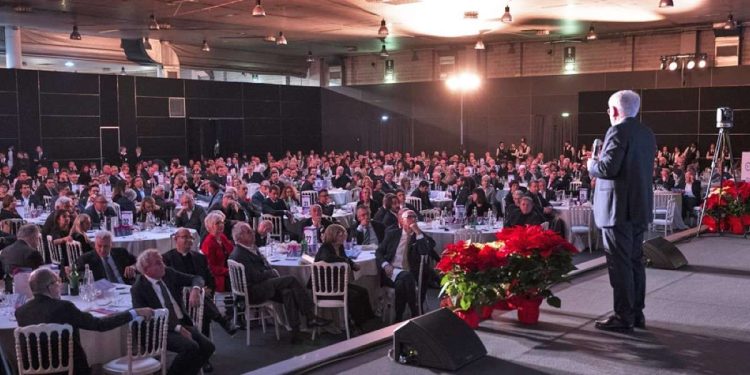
column 663, row 254
column 438, row 340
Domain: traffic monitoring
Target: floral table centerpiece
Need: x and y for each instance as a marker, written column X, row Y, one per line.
column 518, row 268
column 728, row 208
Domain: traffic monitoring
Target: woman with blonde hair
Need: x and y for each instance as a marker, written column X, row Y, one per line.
column 332, row 251
column 290, row 196
column 81, row 225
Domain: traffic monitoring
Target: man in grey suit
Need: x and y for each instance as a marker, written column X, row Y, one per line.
column 623, row 204
column 22, row 253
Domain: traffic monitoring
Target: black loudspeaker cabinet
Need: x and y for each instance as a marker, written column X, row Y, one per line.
column 663, row 254
column 438, row 340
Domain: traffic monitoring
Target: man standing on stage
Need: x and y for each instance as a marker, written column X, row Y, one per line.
column 623, row 204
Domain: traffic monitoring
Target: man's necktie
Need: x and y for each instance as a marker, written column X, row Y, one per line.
column 111, row 275
column 366, row 239
column 168, row 302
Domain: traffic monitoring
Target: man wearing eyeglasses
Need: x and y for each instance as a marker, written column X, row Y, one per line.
column 398, row 258
column 47, row 307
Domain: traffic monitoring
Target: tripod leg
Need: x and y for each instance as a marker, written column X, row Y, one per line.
column 718, row 157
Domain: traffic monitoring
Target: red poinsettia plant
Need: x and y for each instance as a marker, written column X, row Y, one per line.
column 728, row 207
column 524, row 262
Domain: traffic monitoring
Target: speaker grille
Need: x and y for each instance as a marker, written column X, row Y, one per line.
column 176, row 107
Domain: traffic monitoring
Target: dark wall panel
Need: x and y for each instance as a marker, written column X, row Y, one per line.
column 68, row 83
column 28, row 94
column 69, row 105
column 260, row 92
column 159, row 87
column 9, row 127
column 163, row 147
column 161, row 127
column 262, row 109
column 108, row 100
column 213, row 90
column 126, row 111
column 672, row 122
column 8, row 80
column 152, row 107
column 72, row 148
column 8, row 103
column 69, row 127
column 669, row 99
column 262, row 127
column 213, row 108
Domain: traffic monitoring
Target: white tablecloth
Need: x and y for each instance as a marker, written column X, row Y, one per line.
column 100, row 347
column 563, row 213
column 340, row 196
column 446, row 235
column 159, row 238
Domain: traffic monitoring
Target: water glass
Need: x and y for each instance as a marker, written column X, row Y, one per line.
column 287, row 239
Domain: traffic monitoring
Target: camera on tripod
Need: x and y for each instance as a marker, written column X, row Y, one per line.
column 724, row 118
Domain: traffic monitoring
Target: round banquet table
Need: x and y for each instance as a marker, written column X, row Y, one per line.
column 441, row 203
column 159, row 238
column 340, row 196
column 366, row 277
column 444, row 236
column 562, row 212
column 677, row 222
column 100, row 347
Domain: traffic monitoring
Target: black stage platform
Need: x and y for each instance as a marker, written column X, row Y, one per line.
column 697, row 317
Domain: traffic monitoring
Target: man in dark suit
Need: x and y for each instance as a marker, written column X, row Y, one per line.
column 524, row 214
column 184, row 260
column 623, row 204
column 315, row 220
column 48, row 190
column 22, row 253
column 47, row 307
column 324, row 200
column 265, row 284
column 423, row 193
column 691, row 197
column 99, row 210
column 114, row 264
column 260, row 196
column 366, row 231
column 160, row 287
column 387, row 214
column 190, row 215
column 398, row 258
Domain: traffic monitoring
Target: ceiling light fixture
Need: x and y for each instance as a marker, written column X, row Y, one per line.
column 383, row 52
column 310, row 58
column 507, row 18
column 69, row 64
column 258, row 10
column 479, row 44
column 281, row 40
column 152, row 24
column 592, row 34
column 730, row 24
column 672, row 65
column 666, row 3
column 205, row 47
column 75, row 35
column 702, row 62
column 146, row 44
column 383, row 30
column 663, row 63
column 122, row 71
column 690, row 64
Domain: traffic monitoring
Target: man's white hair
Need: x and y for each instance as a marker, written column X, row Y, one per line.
column 627, row 101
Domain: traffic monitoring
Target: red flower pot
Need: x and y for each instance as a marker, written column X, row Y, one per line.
column 528, row 309
column 470, row 317
column 504, row 305
column 485, row 312
column 746, row 219
column 735, row 225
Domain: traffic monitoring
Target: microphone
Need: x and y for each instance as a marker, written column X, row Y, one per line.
column 596, row 148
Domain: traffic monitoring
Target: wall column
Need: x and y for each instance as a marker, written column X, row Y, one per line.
column 13, row 47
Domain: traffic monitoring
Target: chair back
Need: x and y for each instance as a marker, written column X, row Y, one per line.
column 326, row 217
column 40, row 246
column 74, row 252
column 12, row 225
column 310, row 193
column 416, row 202
column 196, row 313
column 237, row 279
column 329, row 279
column 44, row 349
column 55, row 252
column 355, row 194
column 580, row 216
column 277, row 225
column 148, row 339
column 116, row 208
column 575, row 185
column 670, row 209
column 47, row 200
column 661, row 198
column 473, row 235
column 545, row 225
column 430, row 214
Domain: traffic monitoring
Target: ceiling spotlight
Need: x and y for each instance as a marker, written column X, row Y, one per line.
column 702, row 62
column 672, row 65
column 146, row 44
column 75, row 35
column 258, row 10
column 69, row 64
column 122, row 71
column 152, row 24
column 690, row 64
column 507, row 18
column 663, row 63
column 592, row 33
column 666, row 3
column 281, row 40
column 730, row 24
column 383, row 30
column 479, row 44
column 205, row 47
column 383, row 52
column 310, row 58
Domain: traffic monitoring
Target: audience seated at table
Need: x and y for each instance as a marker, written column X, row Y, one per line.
column 332, row 251
column 316, row 220
column 423, row 193
column 478, row 204
column 233, row 212
column 47, row 307
column 403, row 204
column 264, row 283
column 64, row 204
column 398, row 257
column 127, row 201
column 9, row 208
column 22, row 253
column 99, row 210
column 158, row 286
column 116, row 264
column 217, row 247
column 78, row 229
column 387, row 213
column 366, row 231
column 525, row 214
column 190, row 215
column 149, row 206
column 324, row 200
